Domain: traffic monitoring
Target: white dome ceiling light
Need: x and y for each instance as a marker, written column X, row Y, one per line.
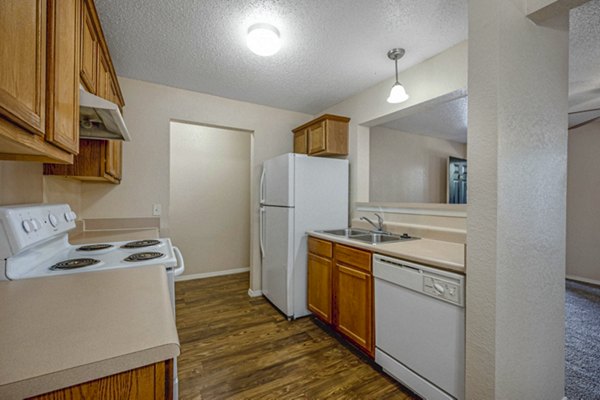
column 398, row 93
column 263, row 39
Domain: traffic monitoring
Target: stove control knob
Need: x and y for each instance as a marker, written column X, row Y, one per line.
column 73, row 215
column 53, row 220
column 66, row 216
column 27, row 226
column 36, row 224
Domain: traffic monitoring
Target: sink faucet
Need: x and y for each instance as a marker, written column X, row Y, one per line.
column 379, row 226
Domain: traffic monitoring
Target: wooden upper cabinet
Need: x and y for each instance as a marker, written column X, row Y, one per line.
column 62, row 128
column 114, row 158
column 323, row 136
column 317, row 140
column 98, row 161
column 23, row 63
column 301, row 141
column 103, row 77
column 89, row 50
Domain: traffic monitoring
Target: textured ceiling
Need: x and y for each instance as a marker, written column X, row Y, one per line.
column 331, row 49
column 446, row 121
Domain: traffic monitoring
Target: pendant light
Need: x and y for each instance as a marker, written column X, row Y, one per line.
column 398, row 93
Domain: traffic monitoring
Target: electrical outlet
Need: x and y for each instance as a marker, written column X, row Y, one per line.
column 156, row 210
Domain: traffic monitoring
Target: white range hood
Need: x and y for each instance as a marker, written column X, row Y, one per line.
column 100, row 119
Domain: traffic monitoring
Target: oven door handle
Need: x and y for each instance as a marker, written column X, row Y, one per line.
column 180, row 263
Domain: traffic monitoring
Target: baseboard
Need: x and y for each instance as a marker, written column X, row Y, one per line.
column 584, row 280
column 254, row 293
column 211, row 274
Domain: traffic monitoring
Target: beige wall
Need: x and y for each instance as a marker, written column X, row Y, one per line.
column 583, row 200
column 148, row 111
column 409, row 168
column 209, row 206
column 20, row 182
column 63, row 190
column 440, row 75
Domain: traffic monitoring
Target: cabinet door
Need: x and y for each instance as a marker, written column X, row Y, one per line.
column 62, row 127
column 102, row 86
column 113, row 158
column 319, row 286
column 300, row 142
column 354, row 306
column 317, row 140
column 23, row 63
column 89, row 50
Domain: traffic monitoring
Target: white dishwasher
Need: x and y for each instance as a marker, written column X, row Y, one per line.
column 420, row 327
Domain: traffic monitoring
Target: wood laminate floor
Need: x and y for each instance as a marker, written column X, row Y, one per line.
column 237, row 347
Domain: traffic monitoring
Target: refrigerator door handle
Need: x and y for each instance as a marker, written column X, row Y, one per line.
column 262, row 187
column 261, row 225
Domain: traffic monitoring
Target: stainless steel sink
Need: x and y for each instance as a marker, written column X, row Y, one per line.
column 347, row 232
column 368, row 236
column 375, row 238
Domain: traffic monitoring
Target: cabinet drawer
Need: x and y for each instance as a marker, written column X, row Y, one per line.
column 354, row 257
column 320, row 247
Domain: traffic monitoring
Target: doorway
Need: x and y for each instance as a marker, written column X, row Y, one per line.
column 209, row 198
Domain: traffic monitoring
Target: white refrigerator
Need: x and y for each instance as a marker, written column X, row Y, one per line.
column 298, row 193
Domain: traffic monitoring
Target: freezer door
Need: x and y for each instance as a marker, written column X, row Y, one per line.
column 278, row 181
column 278, row 256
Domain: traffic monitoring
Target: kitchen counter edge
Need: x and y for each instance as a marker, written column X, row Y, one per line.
column 447, row 256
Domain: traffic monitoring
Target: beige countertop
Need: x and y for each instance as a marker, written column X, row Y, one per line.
column 436, row 253
column 65, row 330
column 113, row 235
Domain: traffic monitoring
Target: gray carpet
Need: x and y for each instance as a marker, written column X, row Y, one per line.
column 582, row 367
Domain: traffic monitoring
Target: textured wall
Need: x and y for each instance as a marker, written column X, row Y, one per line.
column 209, row 214
column 518, row 75
column 148, row 111
column 20, row 182
column 409, row 168
column 583, row 198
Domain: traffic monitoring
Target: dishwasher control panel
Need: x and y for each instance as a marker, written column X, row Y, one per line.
column 442, row 288
column 443, row 285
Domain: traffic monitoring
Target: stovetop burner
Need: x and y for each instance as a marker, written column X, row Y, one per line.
column 74, row 263
column 140, row 243
column 149, row 255
column 95, row 247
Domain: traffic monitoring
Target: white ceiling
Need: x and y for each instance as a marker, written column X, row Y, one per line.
column 446, row 120
column 331, row 49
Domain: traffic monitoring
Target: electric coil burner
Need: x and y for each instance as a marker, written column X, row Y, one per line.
column 140, row 243
column 149, row 255
column 95, row 247
column 35, row 236
column 74, row 263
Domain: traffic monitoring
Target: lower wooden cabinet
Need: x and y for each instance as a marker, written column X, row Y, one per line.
column 153, row 381
column 98, row 161
column 354, row 305
column 320, row 300
column 340, row 290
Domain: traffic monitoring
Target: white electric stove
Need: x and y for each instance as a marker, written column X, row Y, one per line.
column 34, row 243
